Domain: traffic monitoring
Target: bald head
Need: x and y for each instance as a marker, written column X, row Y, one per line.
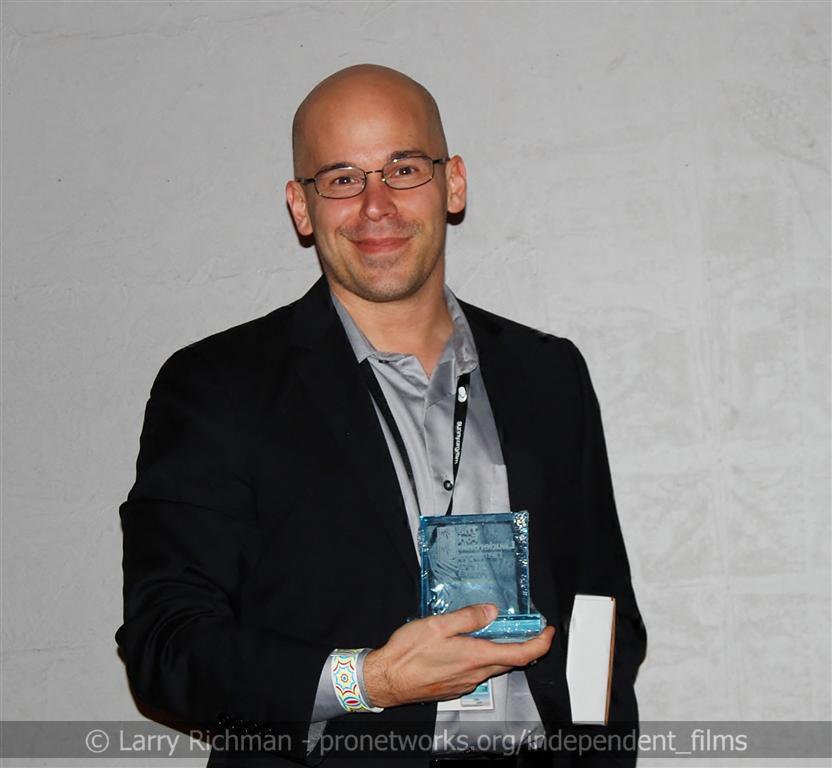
column 384, row 242
column 369, row 85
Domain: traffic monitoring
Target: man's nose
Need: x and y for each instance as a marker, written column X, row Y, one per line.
column 377, row 199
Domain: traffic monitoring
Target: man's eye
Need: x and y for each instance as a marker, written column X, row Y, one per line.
column 404, row 170
column 345, row 180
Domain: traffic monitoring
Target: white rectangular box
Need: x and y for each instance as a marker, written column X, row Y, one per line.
column 589, row 658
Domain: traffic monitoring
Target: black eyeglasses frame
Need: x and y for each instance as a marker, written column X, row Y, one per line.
column 312, row 180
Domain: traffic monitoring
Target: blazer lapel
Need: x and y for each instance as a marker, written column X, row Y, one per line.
column 503, row 373
column 327, row 367
column 512, row 411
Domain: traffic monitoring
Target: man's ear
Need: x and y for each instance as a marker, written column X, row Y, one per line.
column 456, row 183
column 296, row 198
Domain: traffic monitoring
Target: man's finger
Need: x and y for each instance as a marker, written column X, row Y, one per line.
column 489, row 653
column 521, row 654
column 467, row 619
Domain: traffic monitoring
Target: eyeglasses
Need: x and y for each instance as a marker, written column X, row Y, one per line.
column 346, row 181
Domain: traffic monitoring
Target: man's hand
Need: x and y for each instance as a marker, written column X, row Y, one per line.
column 431, row 659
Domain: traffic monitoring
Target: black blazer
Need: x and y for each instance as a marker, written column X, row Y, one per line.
column 267, row 527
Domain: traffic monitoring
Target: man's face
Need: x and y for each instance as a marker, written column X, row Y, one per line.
column 385, row 244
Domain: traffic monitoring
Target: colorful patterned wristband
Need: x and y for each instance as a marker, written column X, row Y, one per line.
column 345, row 665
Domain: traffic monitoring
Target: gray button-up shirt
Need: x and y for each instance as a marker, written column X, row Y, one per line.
column 423, row 408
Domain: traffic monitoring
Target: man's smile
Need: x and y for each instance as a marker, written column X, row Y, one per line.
column 380, row 245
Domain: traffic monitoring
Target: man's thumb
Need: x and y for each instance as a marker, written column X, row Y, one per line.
column 469, row 619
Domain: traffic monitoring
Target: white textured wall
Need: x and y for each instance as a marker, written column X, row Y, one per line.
column 651, row 180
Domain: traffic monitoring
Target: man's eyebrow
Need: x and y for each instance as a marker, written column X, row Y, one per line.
column 334, row 166
column 399, row 154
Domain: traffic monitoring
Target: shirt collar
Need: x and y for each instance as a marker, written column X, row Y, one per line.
column 461, row 347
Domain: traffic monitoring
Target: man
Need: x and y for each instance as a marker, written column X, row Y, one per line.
column 269, row 558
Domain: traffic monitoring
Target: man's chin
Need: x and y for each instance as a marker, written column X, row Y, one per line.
column 383, row 278
column 386, row 290
column 385, row 294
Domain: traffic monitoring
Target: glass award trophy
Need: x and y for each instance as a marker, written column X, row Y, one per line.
column 468, row 559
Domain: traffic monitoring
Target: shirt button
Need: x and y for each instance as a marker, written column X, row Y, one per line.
column 449, row 486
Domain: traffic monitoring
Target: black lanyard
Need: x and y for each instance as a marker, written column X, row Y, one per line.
column 460, row 415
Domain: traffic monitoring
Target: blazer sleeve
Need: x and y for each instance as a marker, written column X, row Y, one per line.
column 190, row 530
column 605, row 569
